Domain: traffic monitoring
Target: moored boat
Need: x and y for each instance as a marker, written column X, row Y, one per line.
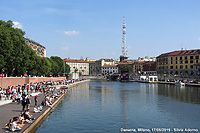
column 180, row 83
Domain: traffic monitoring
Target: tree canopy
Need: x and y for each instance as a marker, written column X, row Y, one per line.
column 17, row 58
column 126, row 68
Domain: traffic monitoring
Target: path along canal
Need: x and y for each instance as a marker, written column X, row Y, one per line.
column 111, row 106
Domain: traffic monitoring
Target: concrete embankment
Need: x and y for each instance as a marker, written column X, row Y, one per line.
column 42, row 117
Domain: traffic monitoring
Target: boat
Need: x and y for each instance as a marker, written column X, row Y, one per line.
column 148, row 79
column 180, row 83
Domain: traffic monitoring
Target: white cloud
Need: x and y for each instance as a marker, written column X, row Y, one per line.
column 65, row 48
column 69, row 33
column 199, row 38
column 17, row 25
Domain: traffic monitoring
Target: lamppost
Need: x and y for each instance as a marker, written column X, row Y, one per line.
column 25, row 75
column 2, row 75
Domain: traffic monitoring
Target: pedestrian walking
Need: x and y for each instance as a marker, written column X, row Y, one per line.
column 36, row 100
column 23, row 104
column 28, row 102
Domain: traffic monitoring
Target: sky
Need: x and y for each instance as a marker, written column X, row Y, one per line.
column 93, row 28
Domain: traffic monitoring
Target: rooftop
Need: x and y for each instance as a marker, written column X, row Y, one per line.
column 181, row 52
column 75, row 60
column 109, row 66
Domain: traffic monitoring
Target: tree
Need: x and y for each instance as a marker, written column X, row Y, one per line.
column 12, row 45
column 126, row 68
column 17, row 58
column 58, row 66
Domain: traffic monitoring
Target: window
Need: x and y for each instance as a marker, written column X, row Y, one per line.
column 180, row 58
column 171, row 67
column 197, row 61
column 181, row 66
column 171, row 62
column 176, row 62
column 197, row 57
column 171, row 58
column 176, row 67
column 191, row 66
column 186, row 61
column 191, row 61
column 191, row 57
column 176, row 58
column 185, row 66
column 185, row 57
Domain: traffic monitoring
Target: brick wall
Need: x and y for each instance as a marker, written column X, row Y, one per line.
column 14, row 81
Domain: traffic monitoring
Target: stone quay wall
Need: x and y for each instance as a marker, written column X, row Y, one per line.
column 14, row 81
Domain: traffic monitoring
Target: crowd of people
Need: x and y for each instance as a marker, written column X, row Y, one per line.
column 22, row 94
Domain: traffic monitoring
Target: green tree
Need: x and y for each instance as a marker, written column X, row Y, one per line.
column 17, row 58
column 126, row 68
column 12, row 45
column 45, row 69
column 58, row 66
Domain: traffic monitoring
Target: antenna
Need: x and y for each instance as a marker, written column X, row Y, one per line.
column 124, row 48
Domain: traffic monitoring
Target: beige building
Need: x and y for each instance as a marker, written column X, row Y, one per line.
column 92, row 68
column 39, row 49
column 109, row 69
column 180, row 62
column 78, row 66
column 102, row 62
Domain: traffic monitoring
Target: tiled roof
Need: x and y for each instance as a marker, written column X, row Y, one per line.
column 149, row 62
column 106, row 60
column 91, row 62
column 109, row 66
column 74, row 60
column 126, row 63
column 181, row 52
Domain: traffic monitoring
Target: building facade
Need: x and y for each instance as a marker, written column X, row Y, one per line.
column 78, row 66
column 92, row 70
column 138, row 67
column 102, row 62
column 178, row 62
column 38, row 48
column 109, row 69
column 149, row 68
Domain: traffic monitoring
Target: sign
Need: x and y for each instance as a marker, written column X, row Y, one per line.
column 50, row 75
column 25, row 75
column 2, row 75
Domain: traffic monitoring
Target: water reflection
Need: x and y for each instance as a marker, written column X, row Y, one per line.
column 109, row 106
column 183, row 94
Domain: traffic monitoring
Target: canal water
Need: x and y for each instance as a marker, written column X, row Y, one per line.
column 99, row 107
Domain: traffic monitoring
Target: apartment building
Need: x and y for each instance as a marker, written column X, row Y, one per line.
column 180, row 62
column 78, row 66
column 38, row 48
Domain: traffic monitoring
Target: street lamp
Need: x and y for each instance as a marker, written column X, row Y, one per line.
column 2, row 75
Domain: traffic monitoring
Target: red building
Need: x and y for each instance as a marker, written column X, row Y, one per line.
column 149, row 68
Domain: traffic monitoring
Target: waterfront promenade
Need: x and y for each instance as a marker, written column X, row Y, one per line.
column 10, row 109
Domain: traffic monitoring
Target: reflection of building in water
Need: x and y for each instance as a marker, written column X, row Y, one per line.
column 80, row 91
column 186, row 94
